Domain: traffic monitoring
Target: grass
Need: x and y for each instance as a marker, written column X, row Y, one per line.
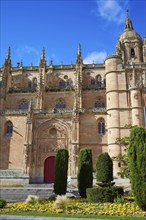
column 74, row 216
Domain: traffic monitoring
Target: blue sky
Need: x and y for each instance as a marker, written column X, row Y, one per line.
column 29, row 25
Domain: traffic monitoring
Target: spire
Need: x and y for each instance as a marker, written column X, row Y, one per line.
column 8, row 59
column 43, row 60
column 8, row 54
column 128, row 22
column 79, row 50
column 43, row 54
column 79, row 55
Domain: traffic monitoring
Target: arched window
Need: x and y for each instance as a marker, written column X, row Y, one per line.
column 99, row 104
column 99, row 80
column 69, row 82
column 62, row 84
column 23, row 105
column 104, row 82
column 101, row 127
column 132, row 53
column 34, row 82
column 9, row 129
column 60, row 104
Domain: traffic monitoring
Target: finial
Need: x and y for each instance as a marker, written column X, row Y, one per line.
column 128, row 22
column 79, row 55
column 43, row 54
column 127, row 13
column 79, row 49
column 51, row 61
column 42, row 60
column 8, row 54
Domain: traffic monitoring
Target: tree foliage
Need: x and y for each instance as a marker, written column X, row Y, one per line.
column 104, row 168
column 85, row 171
column 137, row 164
column 61, row 169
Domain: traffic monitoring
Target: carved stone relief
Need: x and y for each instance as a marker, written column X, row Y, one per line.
column 50, row 136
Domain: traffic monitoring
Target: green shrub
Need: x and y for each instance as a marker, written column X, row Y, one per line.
column 3, row 203
column 104, row 168
column 104, row 194
column 137, row 164
column 61, row 168
column 85, row 171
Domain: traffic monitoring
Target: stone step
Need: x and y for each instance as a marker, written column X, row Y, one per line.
column 20, row 194
column 11, row 173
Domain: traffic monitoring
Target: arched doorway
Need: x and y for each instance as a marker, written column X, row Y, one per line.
column 49, row 169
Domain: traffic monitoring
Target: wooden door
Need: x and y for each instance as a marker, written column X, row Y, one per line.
column 49, row 169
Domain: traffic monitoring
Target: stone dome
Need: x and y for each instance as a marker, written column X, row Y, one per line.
column 129, row 35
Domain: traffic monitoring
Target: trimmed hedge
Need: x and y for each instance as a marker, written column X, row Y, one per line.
column 85, row 171
column 104, row 168
column 104, row 194
column 61, row 169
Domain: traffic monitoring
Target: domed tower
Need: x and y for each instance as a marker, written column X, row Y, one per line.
column 133, row 52
column 124, row 89
column 130, row 44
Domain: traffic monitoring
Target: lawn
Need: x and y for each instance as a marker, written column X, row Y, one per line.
column 78, row 208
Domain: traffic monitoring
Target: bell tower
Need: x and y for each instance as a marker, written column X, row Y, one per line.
column 129, row 45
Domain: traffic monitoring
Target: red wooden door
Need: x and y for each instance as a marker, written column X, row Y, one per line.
column 49, row 169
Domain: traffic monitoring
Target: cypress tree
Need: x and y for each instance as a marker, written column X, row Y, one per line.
column 137, row 164
column 61, row 168
column 85, row 171
column 104, row 168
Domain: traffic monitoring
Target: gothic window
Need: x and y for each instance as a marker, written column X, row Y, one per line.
column 69, row 83
column 23, row 105
column 104, row 82
column 60, row 104
column 34, row 82
column 101, row 127
column 62, row 84
column 9, row 129
column 99, row 80
column 99, row 104
column 132, row 53
column 92, row 81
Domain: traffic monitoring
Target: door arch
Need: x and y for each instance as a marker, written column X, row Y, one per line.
column 49, row 170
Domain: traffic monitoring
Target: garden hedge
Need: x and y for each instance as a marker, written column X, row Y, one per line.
column 104, row 194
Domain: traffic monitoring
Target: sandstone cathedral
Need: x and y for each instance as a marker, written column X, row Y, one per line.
column 47, row 107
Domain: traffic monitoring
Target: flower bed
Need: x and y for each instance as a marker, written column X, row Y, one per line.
column 77, row 207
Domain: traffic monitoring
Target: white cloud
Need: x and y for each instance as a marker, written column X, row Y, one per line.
column 28, row 50
column 97, row 57
column 29, row 54
column 112, row 10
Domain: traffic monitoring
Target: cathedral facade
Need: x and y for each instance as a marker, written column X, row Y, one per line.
column 47, row 107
